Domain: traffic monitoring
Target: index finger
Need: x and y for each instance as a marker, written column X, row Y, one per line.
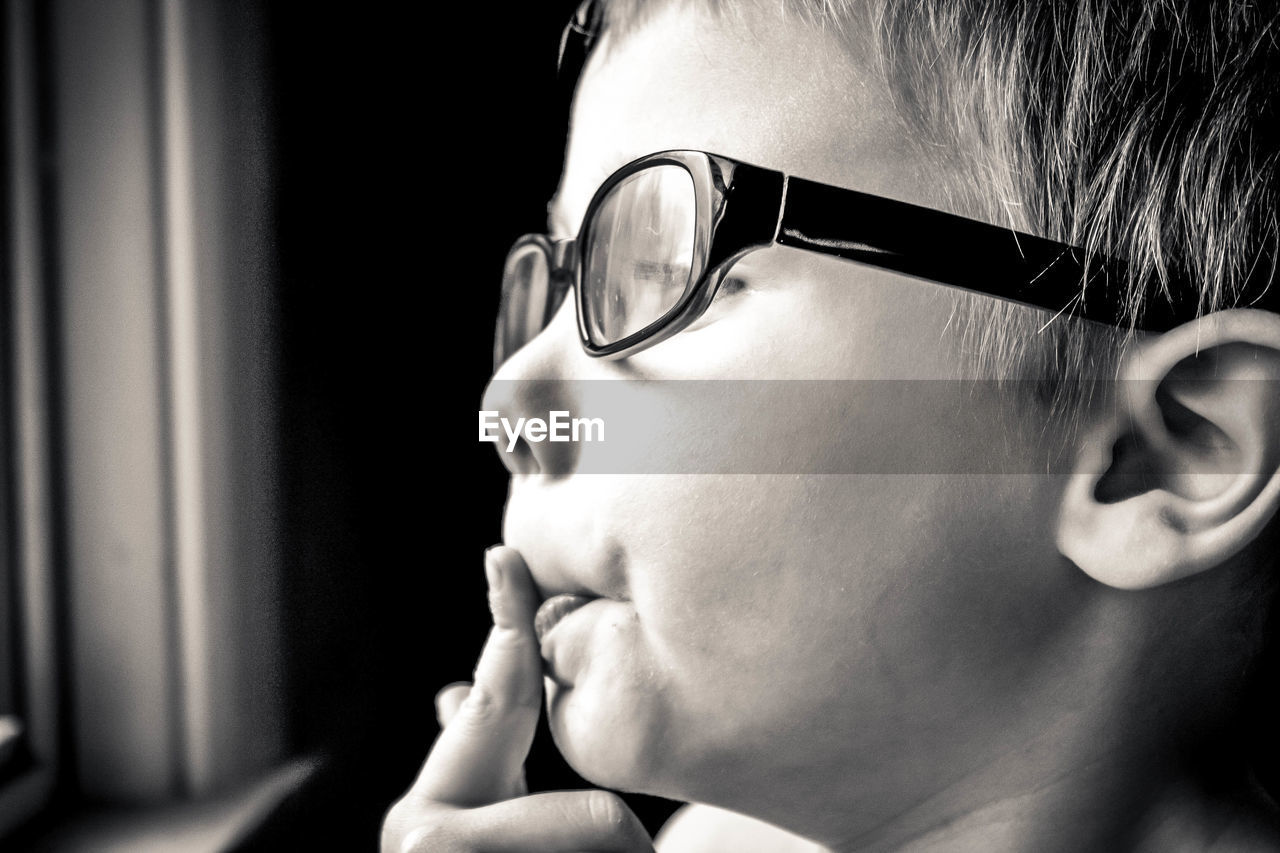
column 479, row 757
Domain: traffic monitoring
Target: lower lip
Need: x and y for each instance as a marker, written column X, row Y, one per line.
column 554, row 609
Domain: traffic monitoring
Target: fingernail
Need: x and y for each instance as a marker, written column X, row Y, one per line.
column 492, row 570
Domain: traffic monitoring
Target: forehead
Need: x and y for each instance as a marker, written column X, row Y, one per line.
column 764, row 88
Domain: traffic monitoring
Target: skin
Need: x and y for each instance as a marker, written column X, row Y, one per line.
column 871, row 661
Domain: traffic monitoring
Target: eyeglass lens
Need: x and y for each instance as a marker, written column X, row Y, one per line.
column 523, row 311
column 636, row 265
column 639, row 252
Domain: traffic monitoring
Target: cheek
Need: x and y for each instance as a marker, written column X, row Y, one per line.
column 761, row 596
column 883, row 605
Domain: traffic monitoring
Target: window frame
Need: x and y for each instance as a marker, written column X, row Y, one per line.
column 30, row 788
column 143, row 402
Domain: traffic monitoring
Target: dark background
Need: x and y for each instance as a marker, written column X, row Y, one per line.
column 410, row 154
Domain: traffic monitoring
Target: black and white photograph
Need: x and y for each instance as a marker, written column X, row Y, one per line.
column 692, row 426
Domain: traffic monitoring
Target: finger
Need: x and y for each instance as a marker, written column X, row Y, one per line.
column 449, row 699
column 557, row 821
column 478, row 758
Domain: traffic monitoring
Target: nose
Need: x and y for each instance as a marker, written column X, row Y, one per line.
column 532, row 383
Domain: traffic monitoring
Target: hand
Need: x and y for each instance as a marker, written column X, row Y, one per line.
column 470, row 794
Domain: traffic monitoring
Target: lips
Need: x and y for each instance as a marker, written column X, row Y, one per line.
column 554, row 609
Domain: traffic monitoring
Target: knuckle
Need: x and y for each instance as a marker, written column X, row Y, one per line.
column 607, row 809
column 448, row 699
column 482, row 705
column 433, row 837
column 408, row 827
column 514, row 643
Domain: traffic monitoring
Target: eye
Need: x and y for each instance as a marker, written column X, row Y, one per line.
column 731, row 286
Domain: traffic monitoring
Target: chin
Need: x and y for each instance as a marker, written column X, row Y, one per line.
column 615, row 738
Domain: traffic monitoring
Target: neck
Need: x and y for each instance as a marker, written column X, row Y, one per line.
column 1124, row 803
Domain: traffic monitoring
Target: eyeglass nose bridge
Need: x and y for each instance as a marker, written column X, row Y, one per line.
column 563, row 256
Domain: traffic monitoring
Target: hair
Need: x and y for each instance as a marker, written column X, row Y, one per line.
column 1139, row 131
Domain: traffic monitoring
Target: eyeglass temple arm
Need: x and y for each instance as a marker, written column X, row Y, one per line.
column 957, row 251
column 575, row 46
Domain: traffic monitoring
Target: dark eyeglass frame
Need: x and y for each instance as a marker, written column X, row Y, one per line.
column 741, row 207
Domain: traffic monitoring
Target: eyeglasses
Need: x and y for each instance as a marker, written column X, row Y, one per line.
column 661, row 233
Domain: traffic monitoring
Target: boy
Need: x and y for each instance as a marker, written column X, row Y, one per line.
column 1042, row 637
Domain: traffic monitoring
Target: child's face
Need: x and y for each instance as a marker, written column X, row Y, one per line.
column 857, row 632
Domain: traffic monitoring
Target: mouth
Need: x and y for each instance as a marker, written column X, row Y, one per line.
column 556, row 608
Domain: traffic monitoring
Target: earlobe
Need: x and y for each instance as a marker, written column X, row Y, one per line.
column 1182, row 471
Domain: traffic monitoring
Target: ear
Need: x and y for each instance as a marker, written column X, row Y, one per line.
column 1179, row 474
